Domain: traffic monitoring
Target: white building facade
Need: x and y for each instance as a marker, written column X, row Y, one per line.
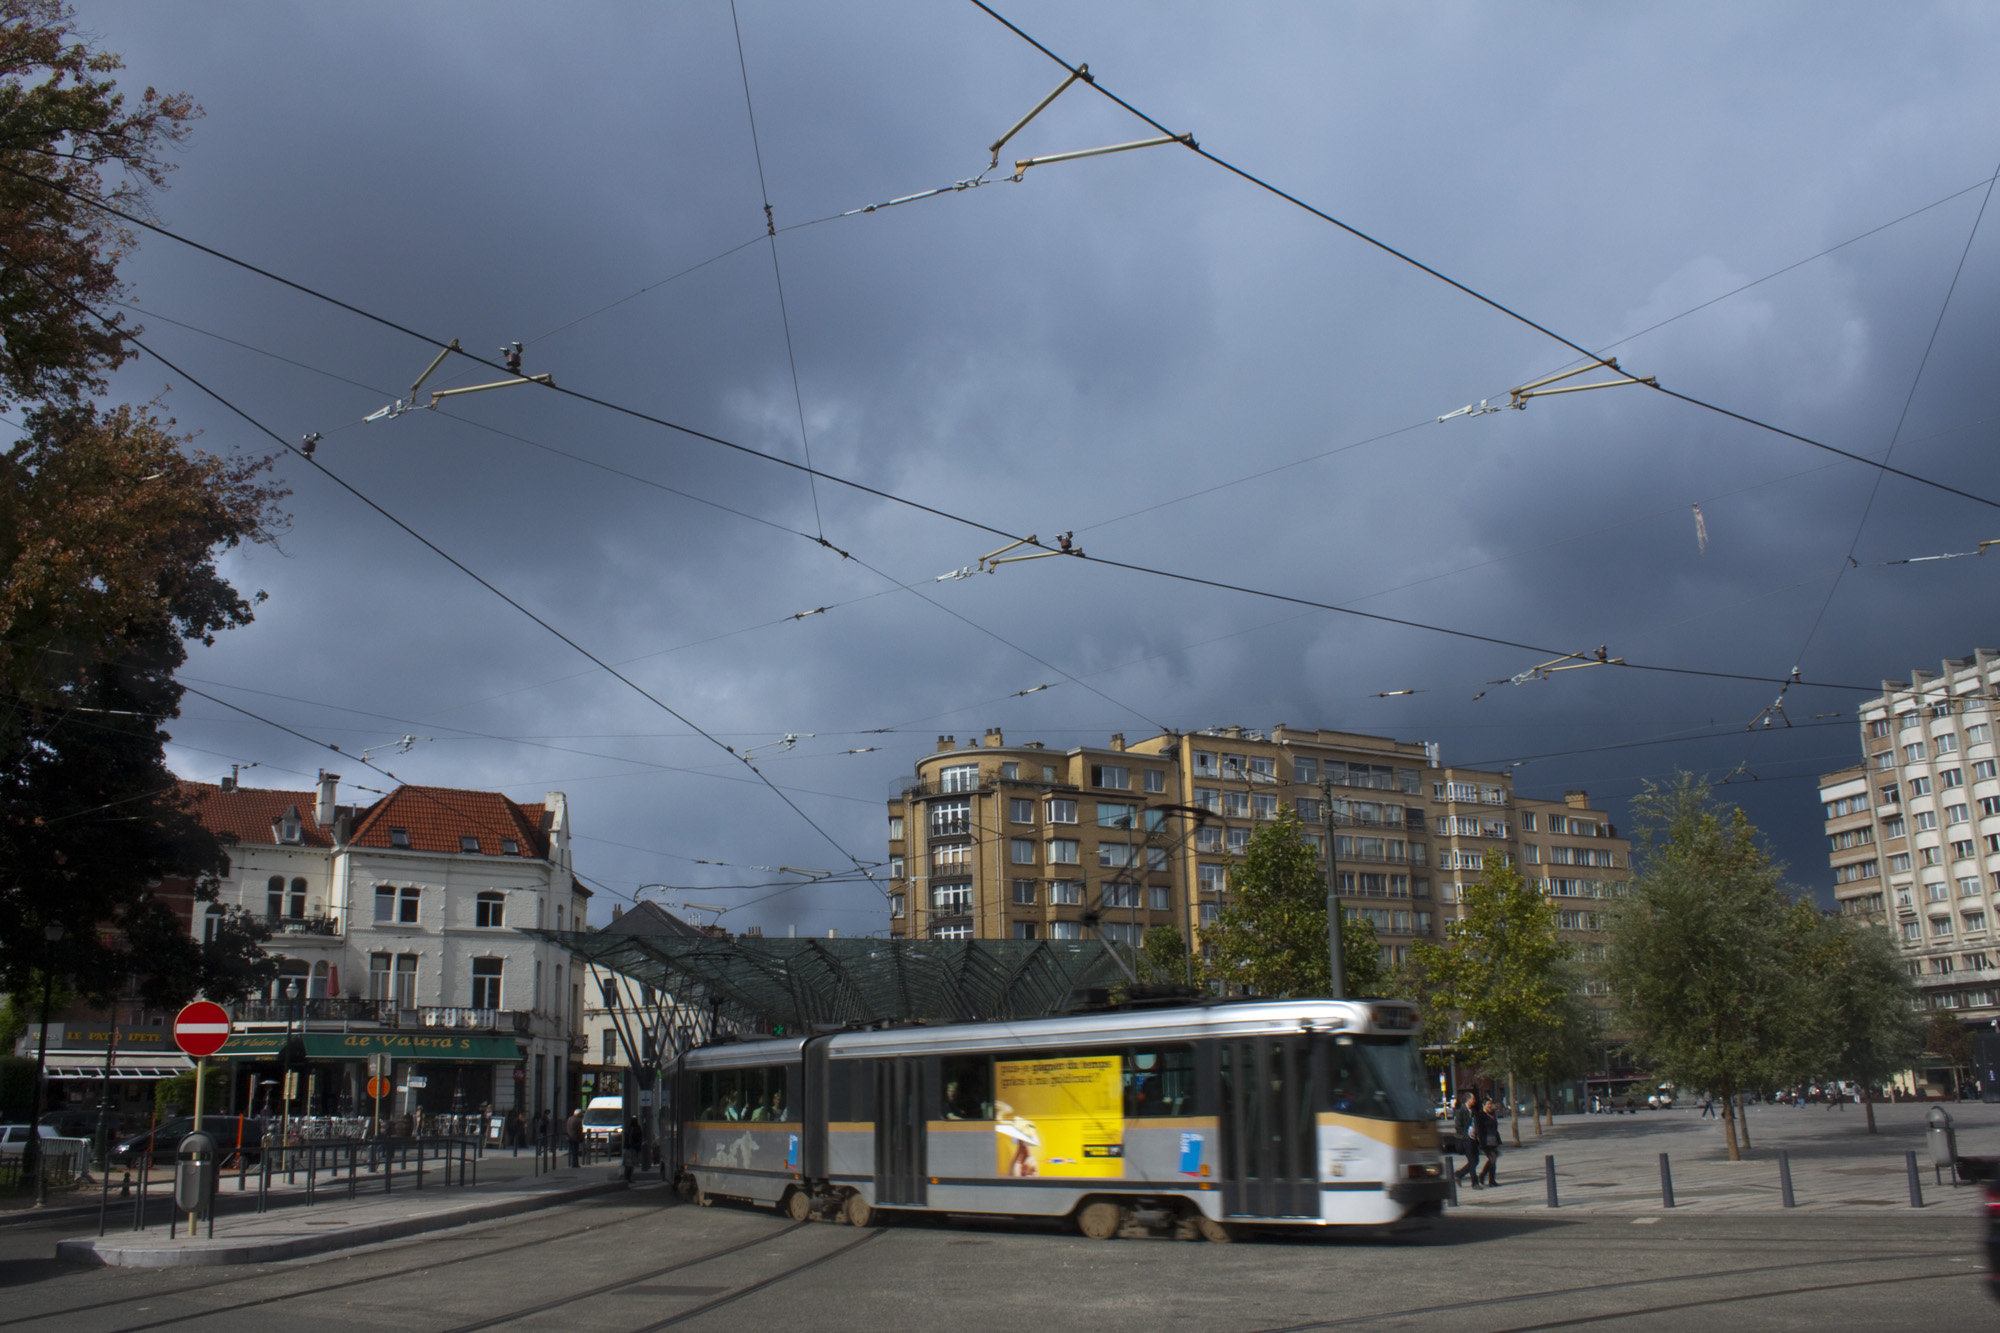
column 398, row 930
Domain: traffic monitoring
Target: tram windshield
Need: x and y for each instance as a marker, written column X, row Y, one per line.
column 1381, row 1078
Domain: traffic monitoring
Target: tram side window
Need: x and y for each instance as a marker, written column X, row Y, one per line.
column 757, row 1094
column 851, row 1089
column 968, row 1087
column 1159, row 1082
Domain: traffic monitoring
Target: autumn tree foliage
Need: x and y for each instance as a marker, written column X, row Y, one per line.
column 110, row 527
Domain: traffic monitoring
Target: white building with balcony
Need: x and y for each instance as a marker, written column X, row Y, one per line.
column 397, row 929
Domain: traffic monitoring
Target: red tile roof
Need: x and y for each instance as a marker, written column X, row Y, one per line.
column 248, row 813
column 437, row 817
column 434, row 817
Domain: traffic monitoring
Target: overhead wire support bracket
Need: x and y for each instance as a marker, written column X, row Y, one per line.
column 1080, row 72
column 1567, row 662
column 410, row 404
column 990, row 562
column 1021, row 166
column 1518, row 398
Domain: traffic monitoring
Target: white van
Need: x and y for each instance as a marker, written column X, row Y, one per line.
column 604, row 1123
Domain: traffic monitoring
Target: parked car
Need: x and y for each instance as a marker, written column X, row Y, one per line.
column 14, row 1139
column 163, row 1142
column 604, row 1123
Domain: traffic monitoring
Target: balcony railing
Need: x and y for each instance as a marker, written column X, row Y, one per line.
column 303, row 925
column 468, row 1019
column 325, row 1009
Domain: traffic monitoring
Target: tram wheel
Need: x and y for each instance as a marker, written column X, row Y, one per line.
column 1219, row 1232
column 856, row 1211
column 1100, row 1220
column 799, row 1206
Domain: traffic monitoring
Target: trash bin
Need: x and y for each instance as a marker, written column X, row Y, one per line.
column 195, row 1173
column 1944, row 1143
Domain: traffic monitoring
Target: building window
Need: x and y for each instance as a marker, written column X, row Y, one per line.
column 385, row 902
column 1885, row 760
column 1209, row 878
column 896, row 908
column 378, row 976
column 486, row 983
column 509, row 847
column 1156, row 779
column 1920, row 786
column 399, row 837
column 1208, row 839
column 1112, row 814
column 1157, row 898
column 1935, row 892
column 1236, row 804
column 1021, row 851
column 490, row 911
column 1962, row 851
column 1204, row 764
column 1979, row 735
column 1528, row 821
column 1951, row 777
column 1879, row 727
column 610, row 1046
column 959, row 777
column 1889, row 794
column 1900, row 861
column 1117, row 854
column 406, row 981
column 1011, row 770
column 1984, row 768
column 1264, row 805
column 211, row 921
column 895, row 867
column 952, row 933
column 1892, row 827
column 607, row 993
column 1239, row 839
column 296, row 907
column 951, row 817
column 1066, row 893
column 1025, row 930
column 1063, row 851
column 1968, row 886
column 274, row 897
column 1305, row 770
column 951, row 899
column 895, row 828
column 1020, row 810
column 1209, row 799
column 1913, row 752
column 1264, row 766
column 1024, row 892
column 1940, row 925
column 1957, row 814
column 1110, row 776
column 1912, row 931
column 407, row 901
column 1065, row 930
column 1924, row 819
column 1120, row 895
column 1061, row 811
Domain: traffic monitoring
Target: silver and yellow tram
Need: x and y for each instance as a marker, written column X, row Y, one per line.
column 1199, row 1120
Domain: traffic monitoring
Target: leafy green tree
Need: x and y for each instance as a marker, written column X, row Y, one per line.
column 1271, row 938
column 1705, row 952
column 1947, row 1039
column 67, row 131
column 1501, row 979
column 1163, row 957
column 1862, row 997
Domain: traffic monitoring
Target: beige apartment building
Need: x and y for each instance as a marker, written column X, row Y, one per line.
column 1913, row 830
column 991, row 841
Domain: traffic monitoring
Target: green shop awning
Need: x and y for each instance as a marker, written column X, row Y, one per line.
column 442, row 1047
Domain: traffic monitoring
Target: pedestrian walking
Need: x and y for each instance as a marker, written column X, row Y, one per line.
column 1462, row 1120
column 517, row 1130
column 1488, row 1128
column 573, row 1129
column 1708, row 1106
column 633, row 1148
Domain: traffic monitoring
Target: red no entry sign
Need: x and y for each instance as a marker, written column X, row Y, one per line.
column 201, row 1028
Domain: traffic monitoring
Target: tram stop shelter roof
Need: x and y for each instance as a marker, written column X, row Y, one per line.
column 798, row 982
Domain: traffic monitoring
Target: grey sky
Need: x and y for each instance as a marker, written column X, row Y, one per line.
column 1057, row 354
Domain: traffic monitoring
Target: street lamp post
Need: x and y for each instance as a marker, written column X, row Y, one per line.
column 31, row 1152
column 104, row 1102
column 1336, row 972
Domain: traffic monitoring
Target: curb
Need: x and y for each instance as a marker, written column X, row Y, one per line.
column 103, row 1252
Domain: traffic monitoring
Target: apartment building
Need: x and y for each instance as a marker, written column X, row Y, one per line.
column 995, row 842
column 1913, row 830
column 395, row 929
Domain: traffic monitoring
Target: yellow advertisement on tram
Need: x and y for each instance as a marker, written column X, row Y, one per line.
column 1059, row 1117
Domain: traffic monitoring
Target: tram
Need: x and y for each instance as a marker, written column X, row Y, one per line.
column 1198, row 1121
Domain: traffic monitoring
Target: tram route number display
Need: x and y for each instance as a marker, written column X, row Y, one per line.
column 1060, row 1117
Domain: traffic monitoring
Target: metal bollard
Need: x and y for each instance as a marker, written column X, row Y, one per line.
column 1666, row 1183
column 1549, row 1177
column 1916, row 1182
column 1785, row 1178
column 1451, row 1181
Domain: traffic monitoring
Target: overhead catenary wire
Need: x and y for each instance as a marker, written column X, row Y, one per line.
column 1473, row 292
column 863, row 487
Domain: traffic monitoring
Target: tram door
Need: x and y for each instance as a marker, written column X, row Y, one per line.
column 899, row 1133
column 1269, row 1130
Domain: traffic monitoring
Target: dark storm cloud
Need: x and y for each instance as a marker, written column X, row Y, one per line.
column 1051, row 355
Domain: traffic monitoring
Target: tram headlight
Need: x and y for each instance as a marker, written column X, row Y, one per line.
column 1424, row 1170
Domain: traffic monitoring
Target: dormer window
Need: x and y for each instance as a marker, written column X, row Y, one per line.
column 508, row 847
column 399, row 837
column 468, row 842
column 288, row 827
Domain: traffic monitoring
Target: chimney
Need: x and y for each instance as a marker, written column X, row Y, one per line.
column 1577, row 800
column 616, row 911
column 993, row 740
column 323, row 812
column 1118, row 740
column 229, row 783
column 947, row 743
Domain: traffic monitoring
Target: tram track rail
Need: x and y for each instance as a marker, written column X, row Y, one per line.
column 265, row 1274
column 1627, row 1284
